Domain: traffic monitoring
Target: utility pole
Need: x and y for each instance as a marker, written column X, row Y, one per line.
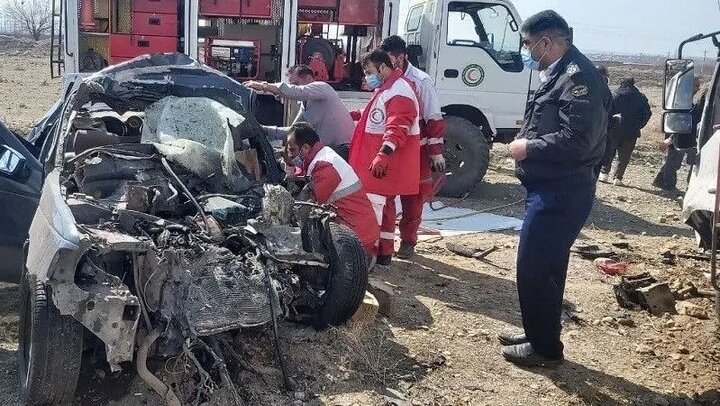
column 702, row 67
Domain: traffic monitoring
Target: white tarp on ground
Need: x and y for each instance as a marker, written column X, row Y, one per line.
column 452, row 221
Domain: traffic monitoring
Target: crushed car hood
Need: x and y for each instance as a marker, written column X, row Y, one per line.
column 141, row 82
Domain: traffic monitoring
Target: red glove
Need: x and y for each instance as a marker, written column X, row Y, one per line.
column 356, row 115
column 379, row 165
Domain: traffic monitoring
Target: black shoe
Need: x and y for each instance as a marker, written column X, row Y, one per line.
column 384, row 260
column 508, row 338
column 406, row 251
column 525, row 355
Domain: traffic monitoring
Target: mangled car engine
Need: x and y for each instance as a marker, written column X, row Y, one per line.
column 185, row 242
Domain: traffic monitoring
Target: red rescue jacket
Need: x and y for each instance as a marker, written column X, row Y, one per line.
column 391, row 118
column 335, row 182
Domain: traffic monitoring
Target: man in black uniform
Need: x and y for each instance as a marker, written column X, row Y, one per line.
column 563, row 138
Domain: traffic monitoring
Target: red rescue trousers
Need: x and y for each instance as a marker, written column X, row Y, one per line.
column 412, row 208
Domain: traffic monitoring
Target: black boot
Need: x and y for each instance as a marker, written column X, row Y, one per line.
column 525, row 355
column 509, row 338
column 406, row 251
column 384, row 260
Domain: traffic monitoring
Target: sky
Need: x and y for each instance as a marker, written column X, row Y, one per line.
column 630, row 26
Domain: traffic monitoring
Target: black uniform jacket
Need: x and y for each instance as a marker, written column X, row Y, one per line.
column 566, row 124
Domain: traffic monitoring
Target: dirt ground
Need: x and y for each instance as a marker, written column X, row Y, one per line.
column 438, row 346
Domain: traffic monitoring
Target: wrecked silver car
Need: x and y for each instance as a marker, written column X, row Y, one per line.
column 162, row 225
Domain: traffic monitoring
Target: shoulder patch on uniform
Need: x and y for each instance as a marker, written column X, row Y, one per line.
column 579, row 90
column 572, row 69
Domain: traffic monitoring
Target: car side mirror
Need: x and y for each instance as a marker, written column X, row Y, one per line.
column 12, row 163
column 677, row 123
column 679, row 85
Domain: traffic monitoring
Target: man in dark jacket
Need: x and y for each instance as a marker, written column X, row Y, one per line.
column 633, row 112
column 666, row 178
column 562, row 139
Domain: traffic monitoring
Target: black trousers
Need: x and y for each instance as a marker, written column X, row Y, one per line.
column 667, row 176
column 622, row 146
column 553, row 220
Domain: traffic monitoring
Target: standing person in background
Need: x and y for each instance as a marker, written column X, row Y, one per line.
column 561, row 141
column 385, row 149
column 666, row 178
column 633, row 111
column 320, row 106
column 432, row 131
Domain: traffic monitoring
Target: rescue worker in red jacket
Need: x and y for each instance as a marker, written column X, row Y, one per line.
column 334, row 182
column 385, row 149
column 432, row 131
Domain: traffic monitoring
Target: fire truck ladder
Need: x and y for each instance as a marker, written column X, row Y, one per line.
column 57, row 42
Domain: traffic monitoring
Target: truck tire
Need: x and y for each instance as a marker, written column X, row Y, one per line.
column 348, row 278
column 50, row 347
column 467, row 154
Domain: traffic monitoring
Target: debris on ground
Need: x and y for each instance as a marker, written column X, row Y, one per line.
column 643, row 291
column 692, row 310
column 592, row 251
column 384, row 294
column 469, row 252
column 610, row 267
column 683, row 290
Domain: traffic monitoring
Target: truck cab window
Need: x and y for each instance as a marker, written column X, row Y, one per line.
column 413, row 19
column 487, row 26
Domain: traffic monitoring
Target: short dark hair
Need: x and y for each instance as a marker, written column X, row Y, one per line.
column 394, row 45
column 627, row 82
column 302, row 70
column 304, row 134
column 547, row 23
column 376, row 57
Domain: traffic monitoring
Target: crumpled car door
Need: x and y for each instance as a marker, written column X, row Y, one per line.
column 21, row 178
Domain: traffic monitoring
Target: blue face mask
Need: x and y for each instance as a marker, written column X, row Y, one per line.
column 297, row 161
column 373, row 81
column 528, row 59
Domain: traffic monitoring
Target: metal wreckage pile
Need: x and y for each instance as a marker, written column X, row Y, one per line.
column 185, row 246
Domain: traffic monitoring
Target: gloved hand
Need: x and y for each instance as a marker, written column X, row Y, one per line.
column 438, row 163
column 379, row 165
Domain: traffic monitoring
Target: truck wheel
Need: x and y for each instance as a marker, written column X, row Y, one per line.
column 50, row 347
column 348, row 278
column 467, row 154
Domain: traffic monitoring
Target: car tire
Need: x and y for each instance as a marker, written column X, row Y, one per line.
column 467, row 154
column 50, row 347
column 348, row 278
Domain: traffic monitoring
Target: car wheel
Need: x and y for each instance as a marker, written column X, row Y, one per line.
column 348, row 278
column 50, row 347
column 467, row 156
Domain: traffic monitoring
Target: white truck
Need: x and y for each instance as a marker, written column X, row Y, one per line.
column 471, row 48
column 701, row 204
